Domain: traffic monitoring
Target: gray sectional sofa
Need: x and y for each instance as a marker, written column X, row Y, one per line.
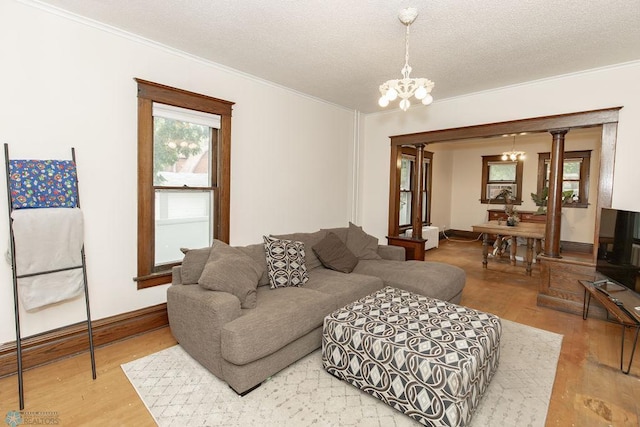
column 245, row 346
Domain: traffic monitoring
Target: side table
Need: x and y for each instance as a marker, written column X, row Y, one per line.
column 619, row 303
column 414, row 248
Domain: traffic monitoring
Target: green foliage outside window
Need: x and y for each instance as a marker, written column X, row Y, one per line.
column 173, row 140
column 502, row 172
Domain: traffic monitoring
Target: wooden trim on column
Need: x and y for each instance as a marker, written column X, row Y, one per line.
column 605, row 178
column 607, row 163
column 554, row 203
column 418, row 183
column 395, row 166
column 71, row 340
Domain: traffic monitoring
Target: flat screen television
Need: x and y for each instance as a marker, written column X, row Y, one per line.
column 619, row 247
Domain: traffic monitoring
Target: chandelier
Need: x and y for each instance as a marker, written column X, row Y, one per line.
column 406, row 87
column 513, row 155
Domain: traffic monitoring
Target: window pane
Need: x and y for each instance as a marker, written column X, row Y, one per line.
column 181, row 153
column 571, row 169
column 405, row 208
column 405, row 174
column 427, row 165
column 424, row 207
column 571, row 186
column 502, row 171
column 183, row 220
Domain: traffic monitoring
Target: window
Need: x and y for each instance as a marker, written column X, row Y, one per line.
column 184, row 171
column 575, row 177
column 498, row 175
column 407, row 183
column 183, row 176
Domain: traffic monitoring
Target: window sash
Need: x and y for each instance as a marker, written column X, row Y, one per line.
column 506, row 169
column 183, row 219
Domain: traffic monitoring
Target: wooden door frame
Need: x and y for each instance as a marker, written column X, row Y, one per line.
column 607, row 118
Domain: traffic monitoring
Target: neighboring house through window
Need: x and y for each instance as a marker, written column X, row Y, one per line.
column 183, row 176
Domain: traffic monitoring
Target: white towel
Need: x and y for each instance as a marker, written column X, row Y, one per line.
column 48, row 239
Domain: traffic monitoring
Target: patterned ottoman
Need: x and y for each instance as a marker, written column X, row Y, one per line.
column 429, row 359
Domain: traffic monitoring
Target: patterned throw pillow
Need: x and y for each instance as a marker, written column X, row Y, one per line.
column 285, row 262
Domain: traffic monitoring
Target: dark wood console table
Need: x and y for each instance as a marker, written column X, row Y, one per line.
column 620, row 303
column 414, row 248
column 525, row 216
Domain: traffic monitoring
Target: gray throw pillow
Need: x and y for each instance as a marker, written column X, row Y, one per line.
column 256, row 253
column 285, row 262
column 193, row 263
column 341, row 232
column 335, row 255
column 230, row 270
column 309, row 240
column 363, row 245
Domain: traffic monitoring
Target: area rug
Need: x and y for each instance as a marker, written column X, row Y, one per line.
column 178, row 391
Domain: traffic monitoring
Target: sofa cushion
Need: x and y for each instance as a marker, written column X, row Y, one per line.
column 256, row 253
column 334, row 254
column 363, row 245
column 281, row 316
column 230, row 270
column 344, row 288
column 309, row 240
column 285, row 262
column 341, row 232
column 192, row 264
column 431, row 279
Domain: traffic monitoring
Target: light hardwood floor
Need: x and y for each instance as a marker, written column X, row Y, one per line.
column 589, row 388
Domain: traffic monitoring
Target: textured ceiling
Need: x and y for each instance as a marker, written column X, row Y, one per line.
column 342, row 50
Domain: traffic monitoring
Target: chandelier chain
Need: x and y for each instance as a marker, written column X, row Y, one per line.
column 406, row 54
column 406, row 87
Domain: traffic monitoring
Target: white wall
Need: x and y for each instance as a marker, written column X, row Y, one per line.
column 591, row 90
column 65, row 83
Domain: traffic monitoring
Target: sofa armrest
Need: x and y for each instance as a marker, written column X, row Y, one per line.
column 394, row 253
column 176, row 275
column 196, row 318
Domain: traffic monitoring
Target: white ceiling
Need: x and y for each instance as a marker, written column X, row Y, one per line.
column 342, row 50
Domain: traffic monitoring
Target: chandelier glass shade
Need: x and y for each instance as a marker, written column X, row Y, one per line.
column 513, row 155
column 406, row 87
